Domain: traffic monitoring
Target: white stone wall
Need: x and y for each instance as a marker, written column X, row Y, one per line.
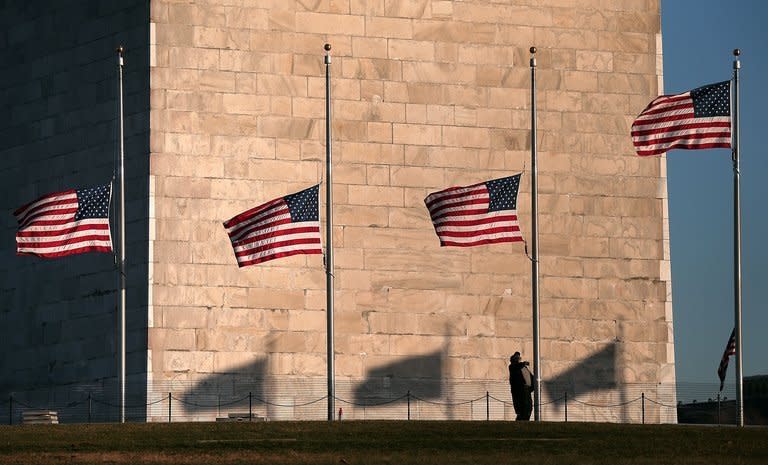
column 427, row 94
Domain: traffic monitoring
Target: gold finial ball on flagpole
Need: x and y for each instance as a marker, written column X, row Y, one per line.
column 533, row 49
column 736, row 52
column 327, row 47
column 120, row 50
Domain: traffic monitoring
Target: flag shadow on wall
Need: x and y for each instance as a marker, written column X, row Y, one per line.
column 595, row 373
column 421, row 375
column 222, row 394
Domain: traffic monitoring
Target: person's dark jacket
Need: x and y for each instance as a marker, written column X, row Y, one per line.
column 520, row 378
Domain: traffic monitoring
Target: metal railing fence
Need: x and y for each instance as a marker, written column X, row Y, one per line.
column 243, row 400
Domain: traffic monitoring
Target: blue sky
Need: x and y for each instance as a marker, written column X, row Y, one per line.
column 698, row 39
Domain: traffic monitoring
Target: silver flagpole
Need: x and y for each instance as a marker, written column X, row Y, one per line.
column 737, row 237
column 535, row 249
column 329, row 234
column 121, row 228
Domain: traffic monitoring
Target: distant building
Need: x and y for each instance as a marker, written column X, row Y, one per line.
column 724, row 412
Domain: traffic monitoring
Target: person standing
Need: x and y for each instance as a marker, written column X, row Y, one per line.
column 521, row 385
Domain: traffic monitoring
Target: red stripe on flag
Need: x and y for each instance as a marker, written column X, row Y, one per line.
column 481, row 242
column 666, row 109
column 21, row 211
column 684, row 146
column 278, row 244
column 278, row 255
column 475, row 233
column 71, row 251
column 681, row 127
column 63, row 242
column 477, row 221
column 59, row 232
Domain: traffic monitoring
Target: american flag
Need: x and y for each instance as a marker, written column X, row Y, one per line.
column 283, row 227
column 65, row 223
column 730, row 349
column 483, row 213
column 699, row 119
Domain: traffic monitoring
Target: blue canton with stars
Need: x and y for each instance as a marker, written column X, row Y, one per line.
column 503, row 193
column 303, row 205
column 92, row 203
column 712, row 100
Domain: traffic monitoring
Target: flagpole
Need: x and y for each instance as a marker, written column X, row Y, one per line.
column 535, row 248
column 121, row 229
column 329, row 235
column 737, row 238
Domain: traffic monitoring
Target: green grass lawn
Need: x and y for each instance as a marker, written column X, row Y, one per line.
column 382, row 442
